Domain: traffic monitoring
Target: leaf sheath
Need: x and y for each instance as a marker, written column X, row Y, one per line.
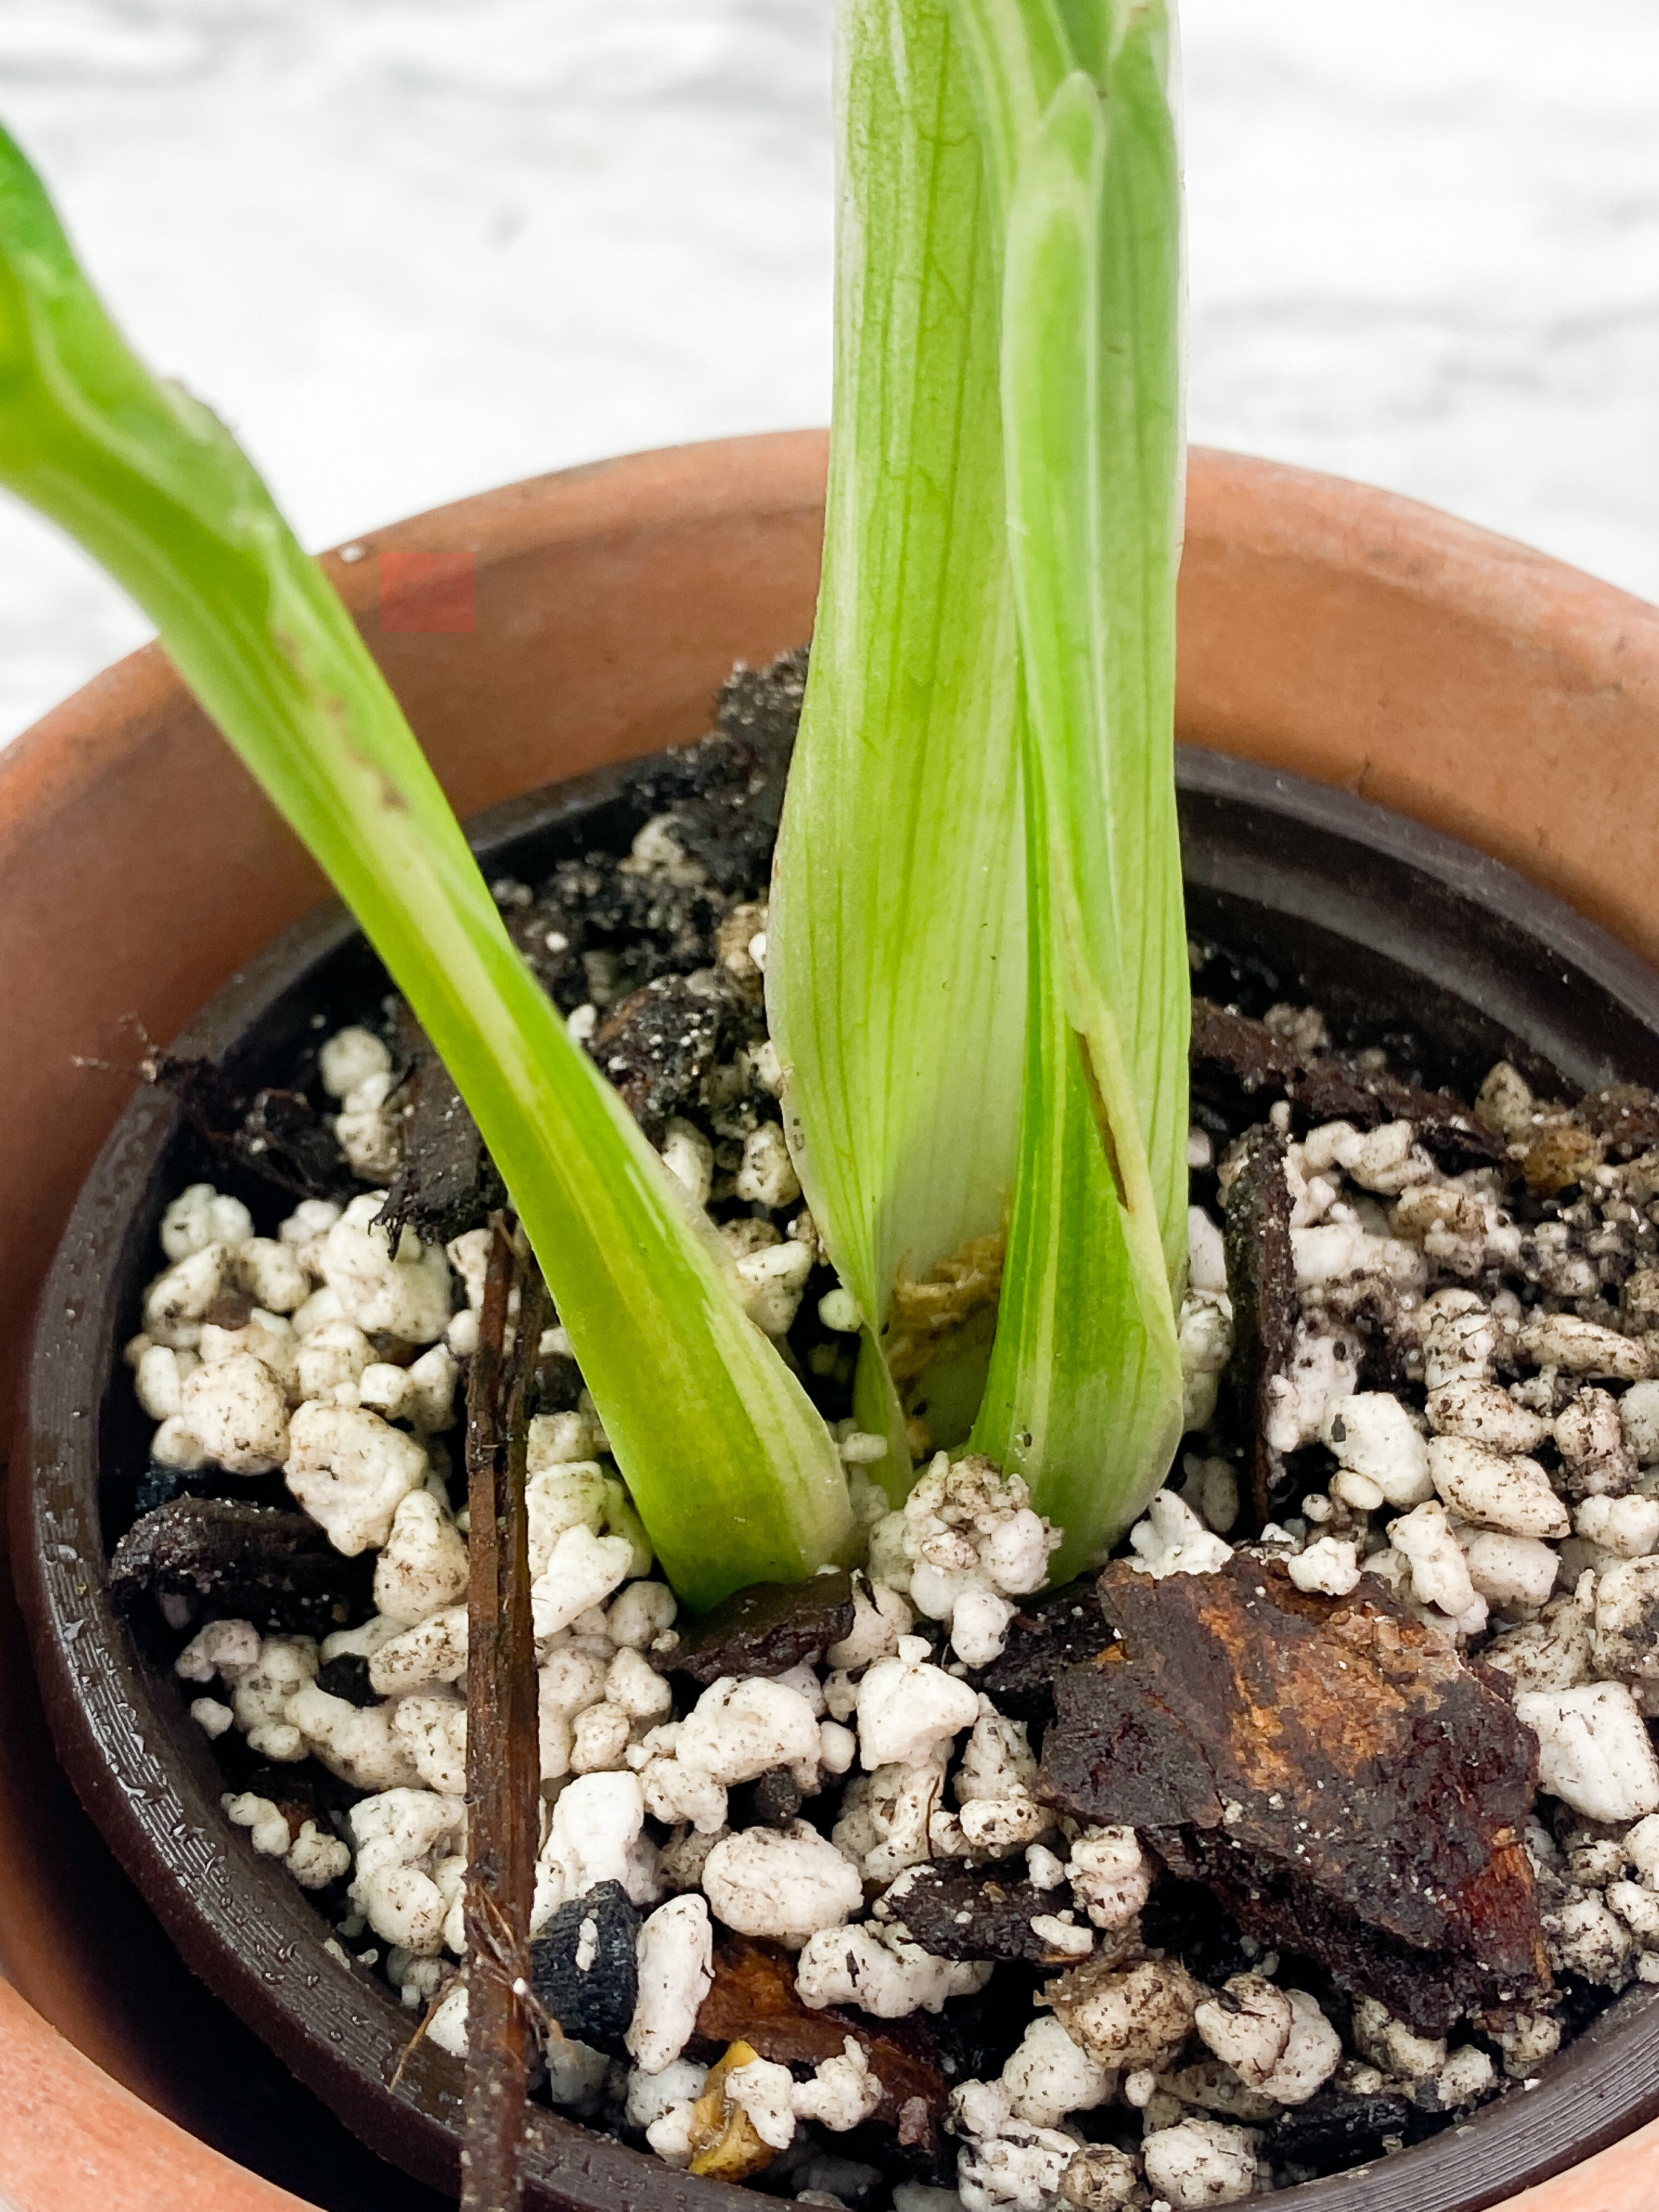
column 896, row 973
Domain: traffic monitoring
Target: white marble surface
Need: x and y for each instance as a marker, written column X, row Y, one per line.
column 411, row 248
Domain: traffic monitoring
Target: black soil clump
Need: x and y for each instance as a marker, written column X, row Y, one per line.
column 726, row 795
column 347, row 1677
column 584, row 1967
column 658, row 1046
column 254, row 1563
column 772, row 1799
column 765, row 1630
column 445, row 1183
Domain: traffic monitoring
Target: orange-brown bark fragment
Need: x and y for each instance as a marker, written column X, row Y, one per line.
column 753, row 2000
column 1339, row 1776
column 928, row 1316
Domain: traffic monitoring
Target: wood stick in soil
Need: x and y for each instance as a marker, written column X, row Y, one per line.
column 503, row 1767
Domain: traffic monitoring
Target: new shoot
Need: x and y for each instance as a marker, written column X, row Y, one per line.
column 977, row 976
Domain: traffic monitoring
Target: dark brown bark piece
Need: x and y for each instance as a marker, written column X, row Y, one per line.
column 1334, row 2130
column 275, row 1134
column 1045, row 1635
column 766, row 1629
column 445, row 1181
column 1235, row 1057
column 280, row 1138
column 1261, row 1284
column 503, row 1763
column 1239, row 1065
column 1343, row 1782
column 254, row 1563
column 753, row 2000
column 977, row 1912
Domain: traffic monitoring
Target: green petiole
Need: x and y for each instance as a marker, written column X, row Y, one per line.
column 895, row 971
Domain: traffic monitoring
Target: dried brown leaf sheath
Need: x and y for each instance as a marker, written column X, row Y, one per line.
column 1261, row 1281
column 502, row 1777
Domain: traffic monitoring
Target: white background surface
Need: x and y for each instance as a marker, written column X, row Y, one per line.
column 413, row 247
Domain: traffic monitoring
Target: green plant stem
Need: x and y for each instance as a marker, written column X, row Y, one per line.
column 732, row 1471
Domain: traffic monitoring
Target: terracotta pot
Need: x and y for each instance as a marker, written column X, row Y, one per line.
column 1327, row 628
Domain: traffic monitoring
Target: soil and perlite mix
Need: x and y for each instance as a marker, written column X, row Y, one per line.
column 1320, row 1816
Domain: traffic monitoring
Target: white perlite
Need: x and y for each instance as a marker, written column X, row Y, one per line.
column 1494, row 1491
column 1198, row 2163
column 1322, row 1375
column 1377, row 1444
column 1050, row 2075
column 1276, row 2040
column 739, row 1728
column 350, row 1471
column 676, row 1962
column 1440, row 1573
column 842, row 2093
column 1111, row 1877
column 907, row 1706
column 1329, row 1565
column 965, row 1545
column 1594, row 1750
column 1551, row 1575
column 1172, row 1541
column 786, row 1883
column 881, row 1973
column 1007, row 2164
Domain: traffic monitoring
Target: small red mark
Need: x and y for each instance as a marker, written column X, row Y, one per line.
column 427, row 591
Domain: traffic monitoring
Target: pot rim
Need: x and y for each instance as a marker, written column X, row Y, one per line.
column 153, row 1786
